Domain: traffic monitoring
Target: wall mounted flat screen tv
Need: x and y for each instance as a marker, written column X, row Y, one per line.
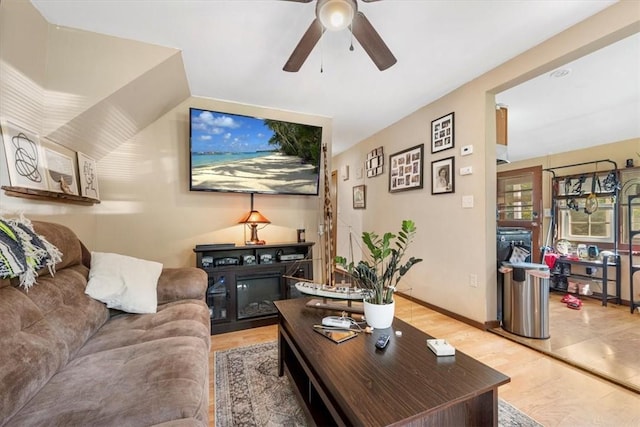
column 243, row 154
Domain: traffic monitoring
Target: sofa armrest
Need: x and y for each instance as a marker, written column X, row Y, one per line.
column 181, row 283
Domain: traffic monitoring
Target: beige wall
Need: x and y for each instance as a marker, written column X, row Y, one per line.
column 23, row 61
column 147, row 210
column 23, row 54
column 127, row 103
column 75, row 88
column 459, row 243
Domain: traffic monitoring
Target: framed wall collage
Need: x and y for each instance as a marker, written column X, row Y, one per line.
column 406, row 169
column 442, row 133
column 42, row 164
column 375, row 162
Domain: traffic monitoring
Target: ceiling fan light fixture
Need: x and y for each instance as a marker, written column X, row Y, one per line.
column 336, row 15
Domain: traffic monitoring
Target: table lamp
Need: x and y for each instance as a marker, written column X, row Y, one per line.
column 252, row 219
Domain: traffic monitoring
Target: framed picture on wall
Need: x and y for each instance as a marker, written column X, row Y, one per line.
column 359, row 197
column 374, row 163
column 405, row 169
column 442, row 176
column 442, row 133
column 60, row 168
column 88, row 171
column 25, row 159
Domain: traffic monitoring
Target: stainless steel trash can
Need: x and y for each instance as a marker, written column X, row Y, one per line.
column 526, row 299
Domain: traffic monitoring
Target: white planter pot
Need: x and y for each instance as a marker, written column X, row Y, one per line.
column 379, row 316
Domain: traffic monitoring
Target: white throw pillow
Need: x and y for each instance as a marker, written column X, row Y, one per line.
column 123, row 282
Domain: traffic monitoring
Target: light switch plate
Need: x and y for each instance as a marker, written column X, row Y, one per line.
column 466, row 150
column 467, row 170
column 467, row 201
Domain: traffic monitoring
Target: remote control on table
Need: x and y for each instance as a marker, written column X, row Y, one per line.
column 382, row 341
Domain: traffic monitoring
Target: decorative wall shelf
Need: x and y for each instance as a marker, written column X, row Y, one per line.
column 44, row 195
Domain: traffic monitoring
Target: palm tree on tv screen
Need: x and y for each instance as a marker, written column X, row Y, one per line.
column 297, row 140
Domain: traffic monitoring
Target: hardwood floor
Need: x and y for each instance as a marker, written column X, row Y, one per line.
column 602, row 340
column 548, row 390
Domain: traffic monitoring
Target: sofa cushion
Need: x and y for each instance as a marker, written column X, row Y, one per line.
column 179, row 318
column 182, row 283
column 137, row 385
column 62, row 238
column 123, row 282
column 42, row 330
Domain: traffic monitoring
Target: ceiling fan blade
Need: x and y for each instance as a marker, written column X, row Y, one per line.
column 371, row 42
column 304, row 47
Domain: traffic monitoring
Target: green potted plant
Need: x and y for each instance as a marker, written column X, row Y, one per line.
column 379, row 276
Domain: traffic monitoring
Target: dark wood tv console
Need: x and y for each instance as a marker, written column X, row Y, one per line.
column 352, row 383
column 245, row 280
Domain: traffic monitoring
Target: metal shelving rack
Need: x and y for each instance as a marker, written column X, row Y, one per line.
column 554, row 198
column 611, row 261
column 633, row 303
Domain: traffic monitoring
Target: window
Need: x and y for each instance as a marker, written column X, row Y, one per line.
column 576, row 224
column 573, row 193
column 515, row 198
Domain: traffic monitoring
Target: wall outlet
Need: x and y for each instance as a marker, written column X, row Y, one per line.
column 473, row 280
column 467, row 170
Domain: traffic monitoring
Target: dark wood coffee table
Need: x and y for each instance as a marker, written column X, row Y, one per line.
column 352, row 383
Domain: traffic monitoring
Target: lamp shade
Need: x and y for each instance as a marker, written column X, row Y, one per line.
column 254, row 217
column 336, row 15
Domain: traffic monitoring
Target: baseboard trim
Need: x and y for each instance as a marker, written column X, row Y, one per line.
column 491, row 324
column 483, row 326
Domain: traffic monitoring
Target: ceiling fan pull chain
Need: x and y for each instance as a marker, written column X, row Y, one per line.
column 322, row 53
column 351, row 32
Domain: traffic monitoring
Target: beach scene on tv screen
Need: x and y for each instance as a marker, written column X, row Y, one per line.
column 239, row 153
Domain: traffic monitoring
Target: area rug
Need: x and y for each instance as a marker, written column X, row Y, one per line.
column 248, row 392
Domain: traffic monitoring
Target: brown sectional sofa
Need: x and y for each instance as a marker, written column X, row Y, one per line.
column 67, row 360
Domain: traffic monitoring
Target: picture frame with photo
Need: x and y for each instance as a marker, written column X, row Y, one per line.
column 359, row 197
column 24, row 156
column 443, row 133
column 374, row 163
column 442, row 176
column 406, row 169
column 88, row 171
column 61, row 172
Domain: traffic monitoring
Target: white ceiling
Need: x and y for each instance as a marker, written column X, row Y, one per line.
column 596, row 103
column 235, row 49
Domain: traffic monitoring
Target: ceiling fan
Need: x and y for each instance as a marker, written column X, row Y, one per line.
column 336, row 15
